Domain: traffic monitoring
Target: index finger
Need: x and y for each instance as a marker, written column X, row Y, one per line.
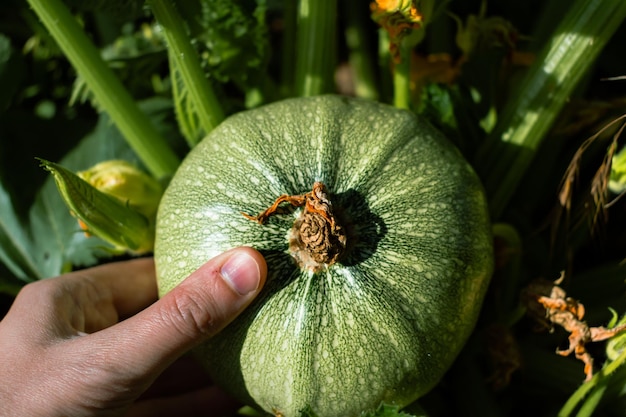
column 131, row 284
column 104, row 295
column 83, row 301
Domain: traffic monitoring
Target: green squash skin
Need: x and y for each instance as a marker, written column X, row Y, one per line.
column 386, row 321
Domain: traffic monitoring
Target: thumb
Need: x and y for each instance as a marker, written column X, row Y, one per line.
column 195, row 310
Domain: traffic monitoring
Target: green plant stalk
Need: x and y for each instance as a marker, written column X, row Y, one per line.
column 136, row 127
column 360, row 58
column 549, row 83
column 590, row 405
column 594, row 388
column 384, row 65
column 402, row 79
column 591, row 393
column 201, row 94
column 315, row 47
column 186, row 116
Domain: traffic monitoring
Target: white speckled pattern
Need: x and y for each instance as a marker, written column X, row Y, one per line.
column 386, row 321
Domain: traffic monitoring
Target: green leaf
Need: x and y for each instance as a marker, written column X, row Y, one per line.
column 51, row 242
column 80, row 51
column 540, row 96
column 137, row 57
column 386, row 410
column 617, row 344
column 236, row 39
column 58, row 240
column 437, row 105
column 383, row 410
column 307, row 412
column 15, row 244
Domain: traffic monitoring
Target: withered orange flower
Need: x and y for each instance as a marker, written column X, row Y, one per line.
column 548, row 303
column 398, row 18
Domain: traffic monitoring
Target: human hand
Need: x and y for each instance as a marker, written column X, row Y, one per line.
column 90, row 342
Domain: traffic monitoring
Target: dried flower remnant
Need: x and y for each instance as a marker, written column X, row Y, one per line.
column 316, row 239
column 548, row 304
column 399, row 18
column 480, row 31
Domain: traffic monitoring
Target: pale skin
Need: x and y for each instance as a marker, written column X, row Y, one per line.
column 92, row 342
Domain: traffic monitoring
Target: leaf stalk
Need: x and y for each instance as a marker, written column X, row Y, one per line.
column 540, row 96
column 315, row 47
column 186, row 62
column 108, row 90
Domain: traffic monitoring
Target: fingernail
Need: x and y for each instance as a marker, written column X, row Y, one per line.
column 241, row 272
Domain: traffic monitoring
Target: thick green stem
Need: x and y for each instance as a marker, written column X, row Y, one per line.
column 384, row 66
column 315, row 47
column 530, row 113
column 106, row 87
column 592, row 389
column 402, row 79
column 201, row 94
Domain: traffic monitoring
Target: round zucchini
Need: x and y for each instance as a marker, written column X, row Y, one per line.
column 378, row 243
